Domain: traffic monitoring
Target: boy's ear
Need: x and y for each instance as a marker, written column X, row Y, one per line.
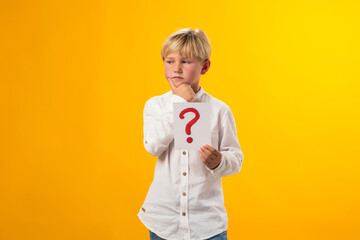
column 205, row 67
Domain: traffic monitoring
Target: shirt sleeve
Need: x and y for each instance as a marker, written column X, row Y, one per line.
column 232, row 156
column 159, row 125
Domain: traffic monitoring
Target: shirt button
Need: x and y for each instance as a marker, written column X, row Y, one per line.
column 184, row 213
column 184, row 153
column 184, row 193
column 184, row 173
column 145, row 141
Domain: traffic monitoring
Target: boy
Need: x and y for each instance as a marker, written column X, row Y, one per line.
column 185, row 199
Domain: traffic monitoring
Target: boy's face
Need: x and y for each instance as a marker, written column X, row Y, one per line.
column 185, row 70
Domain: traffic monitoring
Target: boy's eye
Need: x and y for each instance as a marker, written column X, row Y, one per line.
column 181, row 61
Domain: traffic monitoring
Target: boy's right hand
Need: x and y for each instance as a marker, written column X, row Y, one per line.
column 183, row 90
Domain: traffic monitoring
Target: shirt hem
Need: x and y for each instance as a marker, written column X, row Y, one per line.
column 150, row 228
column 210, row 236
column 141, row 217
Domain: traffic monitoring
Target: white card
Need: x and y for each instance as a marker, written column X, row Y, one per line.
column 191, row 125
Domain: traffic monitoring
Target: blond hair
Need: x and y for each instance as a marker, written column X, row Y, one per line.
column 188, row 43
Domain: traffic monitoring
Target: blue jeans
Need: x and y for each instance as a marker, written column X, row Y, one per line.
column 221, row 236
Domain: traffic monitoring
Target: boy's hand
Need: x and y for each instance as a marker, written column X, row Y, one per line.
column 210, row 156
column 183, row 90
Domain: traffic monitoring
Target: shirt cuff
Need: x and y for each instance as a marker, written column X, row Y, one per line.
column 177, row 98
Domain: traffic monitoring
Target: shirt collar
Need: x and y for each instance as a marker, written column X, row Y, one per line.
column 199, row 94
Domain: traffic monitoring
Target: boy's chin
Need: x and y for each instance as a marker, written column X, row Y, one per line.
column 177, row 83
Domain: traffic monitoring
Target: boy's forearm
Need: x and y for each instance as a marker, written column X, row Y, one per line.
column 231, row 163
column 155, row 142
column 158, row 134
column 232, row 156
column 159, row 127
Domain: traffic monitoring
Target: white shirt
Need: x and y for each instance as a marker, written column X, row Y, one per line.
column 185, row 199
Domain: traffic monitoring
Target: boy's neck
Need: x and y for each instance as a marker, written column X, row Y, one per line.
column 196, row 88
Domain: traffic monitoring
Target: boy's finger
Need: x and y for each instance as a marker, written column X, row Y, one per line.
column 208, row 147
column 203, row 154
column 206, row 152
column 172, row 85
column 205, row 160
column 211, row 149
column 202, row 158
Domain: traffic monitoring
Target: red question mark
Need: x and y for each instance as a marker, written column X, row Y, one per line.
column 192, row 122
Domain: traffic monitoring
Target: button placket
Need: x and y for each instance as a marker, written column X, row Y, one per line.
column 184, row 223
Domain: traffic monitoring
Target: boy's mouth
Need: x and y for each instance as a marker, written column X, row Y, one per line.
column 177, row 78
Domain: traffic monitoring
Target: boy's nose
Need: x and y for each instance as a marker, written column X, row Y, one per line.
column 177, row 68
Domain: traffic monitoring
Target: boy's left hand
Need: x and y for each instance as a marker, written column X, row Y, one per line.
column 210, row 156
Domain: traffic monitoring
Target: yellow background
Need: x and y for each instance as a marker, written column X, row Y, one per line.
column 74, row 78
